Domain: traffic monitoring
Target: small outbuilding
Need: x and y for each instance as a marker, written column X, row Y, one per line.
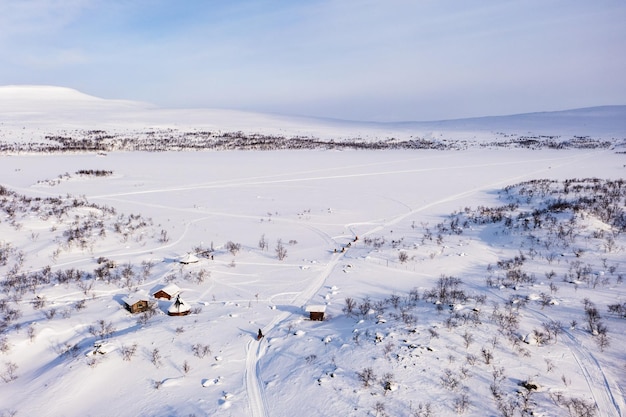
column 190, row 258
column 168, row 292
column 179, row 308
column 136, row 304
column 316, row 312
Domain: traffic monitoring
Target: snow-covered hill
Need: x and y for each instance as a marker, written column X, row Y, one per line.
column 37, row 109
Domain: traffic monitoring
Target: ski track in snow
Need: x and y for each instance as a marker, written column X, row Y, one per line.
column 596, row 378
column 255, row 386
column 255, row 181
column 606, row 403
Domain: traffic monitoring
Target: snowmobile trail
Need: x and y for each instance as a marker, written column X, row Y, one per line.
column 256, row 349
column 324, row 175
column 599, row 385
column 254, row 385
column 466, row 193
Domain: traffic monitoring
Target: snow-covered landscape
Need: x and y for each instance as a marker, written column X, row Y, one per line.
column 464, row 267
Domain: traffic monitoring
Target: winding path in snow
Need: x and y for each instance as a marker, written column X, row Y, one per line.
column 599, row 384
column 256, row 349
column 601, row 387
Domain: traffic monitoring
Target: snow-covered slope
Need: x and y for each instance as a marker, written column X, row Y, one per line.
column 52, row 109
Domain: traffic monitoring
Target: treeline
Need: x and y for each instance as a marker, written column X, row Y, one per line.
column 174, row 140
column 95, row 172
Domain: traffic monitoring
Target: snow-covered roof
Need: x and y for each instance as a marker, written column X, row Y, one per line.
column 179, row 306
column 189, row 259
column 170, row 289
column 315, row 308
column 134, row 297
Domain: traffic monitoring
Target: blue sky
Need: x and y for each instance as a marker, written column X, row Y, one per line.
column 386, row 60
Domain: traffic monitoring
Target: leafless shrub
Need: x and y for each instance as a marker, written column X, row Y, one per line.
column 4, row 344
column 553, row 328
column 281, row 251
column 602, row 339
column 433, row 333
column 80, row 304
column 422, row 410
column 49, row 314
column 155, row 357
column 468, row 339
column 31, row 333
column 618, row 309
column 128, row 351
column 8, row 373
column 379, row 409
column 487, row 355
column 580, row 408
column 163, row 237
column 366, row 376
column 449, row 380
column 101, row 329
column 470, row 359
column 461, row 403
column 39, row 302
column 388, row 348
column 233, row 247
column 387, row 381
column 365, row 306
column 592, row 316
column 350, row 306
column 199, row 350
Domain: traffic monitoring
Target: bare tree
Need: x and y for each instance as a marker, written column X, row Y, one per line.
column 350, row 306
column 8, row 374
column 281, row 251
column 128, row 351
column 366, row 376
column 200, row 350
column 468, row 338
column 403, row 256
column 233, row 247
column 155, row 357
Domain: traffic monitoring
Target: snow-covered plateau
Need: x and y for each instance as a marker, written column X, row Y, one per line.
column 471, row 267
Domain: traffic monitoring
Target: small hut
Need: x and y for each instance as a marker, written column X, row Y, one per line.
column 316, row 312
column 168, row 292
column 190, row 258
column 178, row 308
column 137, row 304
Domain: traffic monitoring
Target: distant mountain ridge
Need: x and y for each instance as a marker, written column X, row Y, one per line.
column 52, row 98
column 53, row 107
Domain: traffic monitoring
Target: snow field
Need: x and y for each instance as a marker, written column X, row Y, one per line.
column 316, row 202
